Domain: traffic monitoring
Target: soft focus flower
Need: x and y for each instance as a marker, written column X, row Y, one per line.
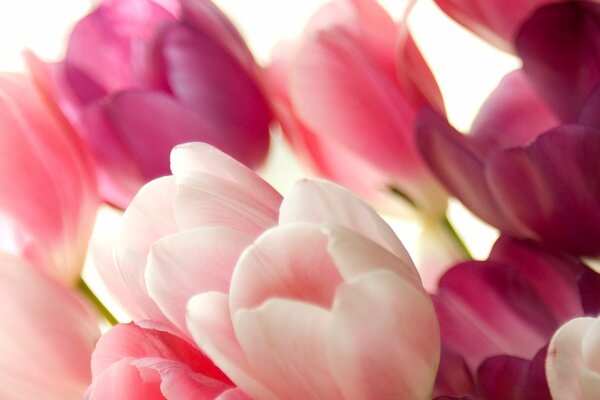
column 497, row 315
column 347, row 94
column 526, row 181
column 146, row 361
column 337, row 269
column 49, row 199
column 162, row 79
column 572, row 365
column 47, row 336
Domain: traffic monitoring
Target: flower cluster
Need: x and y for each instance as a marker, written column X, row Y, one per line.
column 235, row 291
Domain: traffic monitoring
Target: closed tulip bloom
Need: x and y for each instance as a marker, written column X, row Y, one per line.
column 572, row 363
column 49, row 199
column 165, row 77
column 347, row 93
column 47, row 337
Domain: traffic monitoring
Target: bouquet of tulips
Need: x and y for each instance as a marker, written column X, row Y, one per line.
column 230, row 290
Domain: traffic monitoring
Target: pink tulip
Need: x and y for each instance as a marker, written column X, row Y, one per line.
column 48, row 202
column 526, row 181
column 333, row 261
column 47, row 336
column 572, row 364
column 347, row 94
column 145, row 361
column 163, row 79
column 496, row 21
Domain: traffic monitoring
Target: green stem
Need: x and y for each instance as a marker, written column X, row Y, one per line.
column 102, row 310
column 447, row 225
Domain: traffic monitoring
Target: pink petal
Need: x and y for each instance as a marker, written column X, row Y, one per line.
column 201, row 157
column 285, row 343
column 208, row 200
column 513, row 115
column 233, row 394
column 323, row 202
column 148, row 218
column 123, row 381
column 208, row 80
column 561, row 55
column 206, row 254
column 384, row 341
column 48, row 336
column 568, row 376
column 210, row 324
column 49, row 203
column 289, row 261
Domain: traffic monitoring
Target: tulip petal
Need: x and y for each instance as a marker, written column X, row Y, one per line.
column 289, row 261
column 285, row 344
column 567, row 374
column 147, row 219
column 210, row 324
column 384, row 339
column 503, row 377
column 233, row 394
column 47, row 337
column 512, row 115
column 550, row 189
column 323, row 202
column 454, row 376
column 207, row 79
column 206, row 254
column 201, row 157
column 458, row 165
column 560, row 49
column 123, row 381
column 589, row 288
column 208, row 200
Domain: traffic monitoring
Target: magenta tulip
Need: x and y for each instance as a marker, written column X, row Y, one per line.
column 49, row 199
column 47, row 336
column 163, row 79
column 146, row 361
column 530, row 183
column 347, row 94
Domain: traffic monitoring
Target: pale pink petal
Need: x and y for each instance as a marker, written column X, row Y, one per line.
column 148, row 218
column 202, row 157
column 47, row 336
column 354, row 255
column 123, row 381
column 568, row 375
column 289, row 261
column 208, row 200
column 320, row 202
column 233, row 394
column 49, row 200
column 285, row 344
column 210, row 324
column 191, row 262
column 384, row 341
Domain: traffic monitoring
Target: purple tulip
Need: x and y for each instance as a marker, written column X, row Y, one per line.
column 138, row 79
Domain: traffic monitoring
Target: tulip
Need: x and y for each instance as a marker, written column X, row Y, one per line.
column 182, row 238
column 572, row 362
column 347, row 94
column 530, row 183
column 163, row 79
column 146, row 361
column 49, row 199
column 47, row 336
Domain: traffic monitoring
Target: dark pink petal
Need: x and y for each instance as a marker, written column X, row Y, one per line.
column 589, row 114
column 208, row 80
column 131, row 341
column 589, row 288
column 512, row 115
column 553, row 275
column 459, row 166
column 454, row 376
column 496, row 21
column 117, row 30
column 560, row 48
column 552, row 189
column 488, row 309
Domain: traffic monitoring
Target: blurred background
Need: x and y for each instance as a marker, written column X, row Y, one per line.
column 466, row 69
